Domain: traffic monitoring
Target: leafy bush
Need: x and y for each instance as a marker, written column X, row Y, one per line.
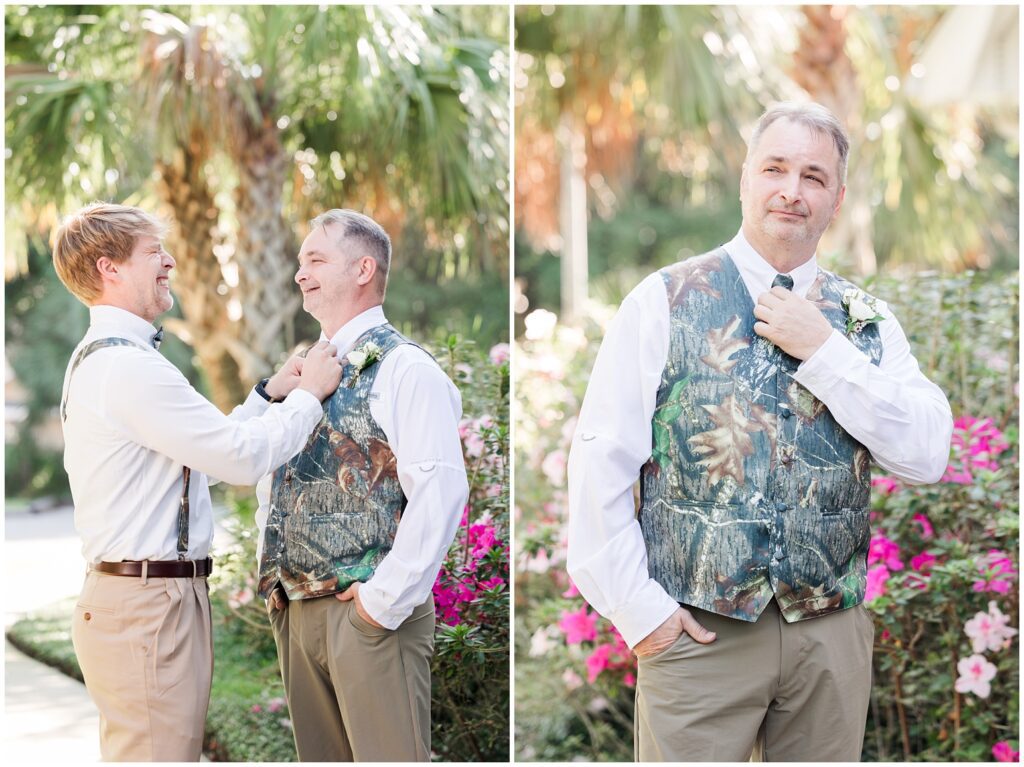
column 943, row 560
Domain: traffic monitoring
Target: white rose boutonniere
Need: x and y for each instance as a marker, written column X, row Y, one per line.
column 361, row 359
column 861, row 308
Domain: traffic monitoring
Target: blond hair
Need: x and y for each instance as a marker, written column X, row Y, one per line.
column 97, row 230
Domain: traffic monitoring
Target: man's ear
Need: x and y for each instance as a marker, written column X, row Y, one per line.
column 107, row 268
column 839, row 201
column 367, row 270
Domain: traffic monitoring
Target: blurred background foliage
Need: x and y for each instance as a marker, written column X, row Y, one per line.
column 630, row 137
column 239, row 124
column 631, row 125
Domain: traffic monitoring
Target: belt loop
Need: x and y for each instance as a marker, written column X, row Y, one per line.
column 194, row 571
column 145, row 571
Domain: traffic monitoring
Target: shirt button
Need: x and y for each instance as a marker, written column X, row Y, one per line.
column 88, row 616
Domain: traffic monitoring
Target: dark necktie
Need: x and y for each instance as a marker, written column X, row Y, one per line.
column 783, row 281
column 158, row 337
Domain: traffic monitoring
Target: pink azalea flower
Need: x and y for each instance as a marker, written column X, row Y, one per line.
column 571, row 592
column 572, row 679
column 923, row 561
column 927, row 531
column 975, row 675
column 1003, row 752
column 997, row 572
column 975, row 445
column 629, row 679
column 275, row 704
column 553, row 467
column 885, row 550
column 877, row 576
column 598, row 661
column 499, row 354
column 579, row 626
column 885, row 485
column 989, row 631
column 257, row 708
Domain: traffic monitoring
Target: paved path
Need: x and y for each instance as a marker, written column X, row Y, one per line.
column 48, row 717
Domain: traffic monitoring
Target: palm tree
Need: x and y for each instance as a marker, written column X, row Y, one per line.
column 238, row 120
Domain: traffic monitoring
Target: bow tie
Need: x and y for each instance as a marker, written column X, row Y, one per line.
column 157, row 338
column 783, row 281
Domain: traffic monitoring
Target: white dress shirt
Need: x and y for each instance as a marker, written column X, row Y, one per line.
column 418, row 408
column 133, row 421
column 900, row 416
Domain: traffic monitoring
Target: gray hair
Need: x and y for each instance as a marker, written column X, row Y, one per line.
column 366, row 234
column 813, row 116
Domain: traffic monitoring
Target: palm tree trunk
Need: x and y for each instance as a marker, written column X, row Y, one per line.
column 206, row 325
column 265, row 252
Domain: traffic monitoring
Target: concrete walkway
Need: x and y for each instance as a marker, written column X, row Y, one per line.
column 48, row 717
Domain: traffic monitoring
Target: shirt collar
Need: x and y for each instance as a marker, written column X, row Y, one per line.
column 758, row 274
column 106, row 320
column 349, row 333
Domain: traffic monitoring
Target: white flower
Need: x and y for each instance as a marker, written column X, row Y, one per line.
column 861, row 308
column 861, row 311
column 357, row 358
column 976, row 673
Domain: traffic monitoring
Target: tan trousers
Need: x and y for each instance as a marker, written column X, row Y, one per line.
column 355, row 692
column 787, row 692
column 146, row 652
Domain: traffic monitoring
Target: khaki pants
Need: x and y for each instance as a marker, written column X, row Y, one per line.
column 355, row 692
column 790, row 692
column 146, row 652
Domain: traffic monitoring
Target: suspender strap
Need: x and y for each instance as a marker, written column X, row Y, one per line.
column 186, row 472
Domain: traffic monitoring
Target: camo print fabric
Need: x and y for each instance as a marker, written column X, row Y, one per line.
column 335, row 507
column 753, row 489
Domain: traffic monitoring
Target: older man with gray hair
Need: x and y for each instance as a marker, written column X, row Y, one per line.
column 748, row 389
column 354, row 529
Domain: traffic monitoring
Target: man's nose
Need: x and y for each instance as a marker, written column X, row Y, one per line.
column 169, row 261
column 300, row 276
column 790, row 190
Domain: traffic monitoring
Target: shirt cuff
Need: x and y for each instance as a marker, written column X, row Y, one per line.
column 253, row 407
column 651, row 607
column 820, row 372
column 375, row 603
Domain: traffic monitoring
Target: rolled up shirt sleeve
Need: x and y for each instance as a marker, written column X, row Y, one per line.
column 419, row 413
column 902, row 418
column 607, row 557
column 158, row 408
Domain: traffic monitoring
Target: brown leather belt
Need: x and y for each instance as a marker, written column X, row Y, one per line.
column 171, row 568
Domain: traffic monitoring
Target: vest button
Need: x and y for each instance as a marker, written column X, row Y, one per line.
column 780, row 506
column 779, row 554
column 785, row 412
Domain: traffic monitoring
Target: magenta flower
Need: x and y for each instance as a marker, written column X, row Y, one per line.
column 275, row 704
column 997, row 572
column 885, row 550
column 877, row 576
column 927, row 531
column 579, row 626
column 598, row 661
column 1003, row 752
column 923, row 561
column 989, row 631
column 975, row 675
column 885, row 485
column 975, row 445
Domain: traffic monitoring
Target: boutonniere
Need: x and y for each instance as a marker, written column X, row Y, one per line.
column 362, row 358
column 861, row 308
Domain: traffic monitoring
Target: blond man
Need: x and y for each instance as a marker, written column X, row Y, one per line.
column 139, row 442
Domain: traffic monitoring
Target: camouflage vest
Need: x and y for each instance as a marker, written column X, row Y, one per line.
column 335, row 507
column 752, row 489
